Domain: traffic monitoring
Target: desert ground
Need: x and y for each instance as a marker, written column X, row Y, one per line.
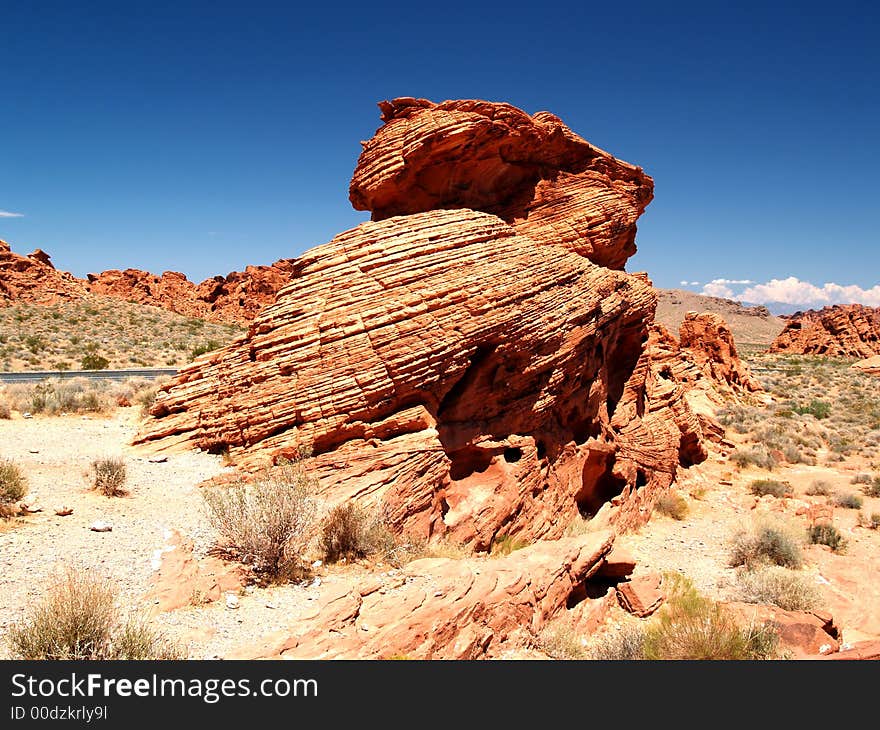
column 690, row 534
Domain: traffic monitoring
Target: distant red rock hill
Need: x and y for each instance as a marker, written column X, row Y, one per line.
column 843, row 330
column 236, row 297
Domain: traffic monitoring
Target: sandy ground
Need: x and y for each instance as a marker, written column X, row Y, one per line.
column 55, row 454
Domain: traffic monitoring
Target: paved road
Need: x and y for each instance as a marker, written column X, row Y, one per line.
column 38, row 375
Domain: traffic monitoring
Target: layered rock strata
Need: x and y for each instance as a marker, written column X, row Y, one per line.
column 851, row 331
column 474, row 372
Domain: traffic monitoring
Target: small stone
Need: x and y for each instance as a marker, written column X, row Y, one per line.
column 157, row 459
column 63, row 510
column 101, row 526
column 26, row 415
column 316, row 582
column 317, row 564
column 232, row 601
column 33, row 451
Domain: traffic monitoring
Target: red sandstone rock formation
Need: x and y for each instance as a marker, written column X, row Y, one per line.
column 33, row 279
column 531, row 171
column 851, row 330
column 236, row 297
column 871, row 366
column 233, row 298
column 474, row 372
column 437, row 608
column 710, row 344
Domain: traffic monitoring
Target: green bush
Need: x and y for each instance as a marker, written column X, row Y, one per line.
column 13, row 485
column 203, row 348
column 93, row 361
column 691, row 627
column 827, row 535
column 818, row 408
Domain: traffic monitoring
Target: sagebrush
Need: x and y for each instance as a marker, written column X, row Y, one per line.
column 268, row 522
column 77, row 619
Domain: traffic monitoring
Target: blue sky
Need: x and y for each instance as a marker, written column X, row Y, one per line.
column 201, row 137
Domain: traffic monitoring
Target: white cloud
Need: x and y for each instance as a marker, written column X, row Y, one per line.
column 717, row 289
column 7, row 214
column 689, row 283
column 794, row 291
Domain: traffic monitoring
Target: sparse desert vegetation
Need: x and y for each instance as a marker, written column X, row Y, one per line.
column 77, row 618
column 268, row 522
column 689, row 626
column 777, row 586
column 823, row 411
column 108, row 476
column 672, row 505
column 13, row 486
column 99, row 332
column 767, row 544
column 64, row 396
column 350, row 531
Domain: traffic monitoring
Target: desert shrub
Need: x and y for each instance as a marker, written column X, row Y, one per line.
column 108, row 476
column 52, row 397
column 351, row 532
column 135, row 640
column 13, row 485
column 266, row 524
column 818, row 408
column 848, row 501
column 406, row 549
column 820, row 488
column 628, row 644
column 872, row 488
column 827, row 535
column 776, row 586
column 505, row 545
column 76, row 618
column 862, row 478
column 145, row 398
column 768, row 544
column 94, row 361
column 758, row 456
column 690, row 626
column 672, row 505
column 763, row 487
column 872, row 522
column 5, row 412
column 559, row 640
column 203, row 348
